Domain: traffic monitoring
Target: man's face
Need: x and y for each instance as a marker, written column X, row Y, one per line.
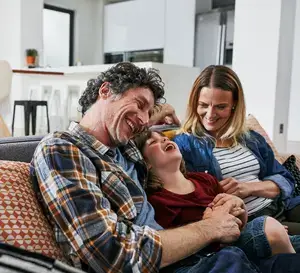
column 127, row 115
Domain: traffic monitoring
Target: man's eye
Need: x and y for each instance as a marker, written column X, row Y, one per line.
column 140, row 105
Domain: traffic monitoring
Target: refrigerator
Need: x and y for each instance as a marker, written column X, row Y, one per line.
column 214, row 38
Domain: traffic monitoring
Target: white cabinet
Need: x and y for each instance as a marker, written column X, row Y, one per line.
column 134, row 25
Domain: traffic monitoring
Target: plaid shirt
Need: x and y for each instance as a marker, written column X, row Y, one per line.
column 93, row 203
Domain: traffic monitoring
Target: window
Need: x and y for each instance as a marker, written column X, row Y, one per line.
column 58, row 33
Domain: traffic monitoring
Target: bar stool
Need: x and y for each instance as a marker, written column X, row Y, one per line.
column 71, row 93
column 30, row 107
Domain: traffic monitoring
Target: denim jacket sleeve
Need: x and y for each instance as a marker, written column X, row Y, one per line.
column 195, row 154
column 271, row 169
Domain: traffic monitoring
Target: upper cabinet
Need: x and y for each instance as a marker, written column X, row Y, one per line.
column 134, row 25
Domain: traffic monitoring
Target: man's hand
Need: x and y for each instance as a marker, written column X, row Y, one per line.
column 237, row 205
column 225, row 228
column 231, row 186
column 228, row 199
column 164, row 113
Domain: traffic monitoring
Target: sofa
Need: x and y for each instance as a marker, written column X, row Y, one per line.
column 22, row 222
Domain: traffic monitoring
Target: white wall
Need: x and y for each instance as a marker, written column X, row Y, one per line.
column 256, row 43
column 88, row 40
column 178, row 84
column 134, row 25
column 10, row 45
column 31, row 25
column 56, row 27
column 284, row 72
column 263, row 57
column 294, row 109
column 20, row 28
column 179, row 32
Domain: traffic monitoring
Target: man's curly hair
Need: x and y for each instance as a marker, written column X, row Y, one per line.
column 121, row 77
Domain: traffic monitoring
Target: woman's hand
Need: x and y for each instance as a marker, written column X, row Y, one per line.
column 164, row 113
column 232, row 186
column 265, row 188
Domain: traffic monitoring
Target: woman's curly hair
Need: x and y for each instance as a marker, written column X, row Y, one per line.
column 122, row 77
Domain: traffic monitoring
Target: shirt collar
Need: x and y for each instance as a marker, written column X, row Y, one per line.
column 78, row 131
column 129, row 150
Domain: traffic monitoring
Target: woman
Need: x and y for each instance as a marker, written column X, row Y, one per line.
column 180, row 198
column 214, row 138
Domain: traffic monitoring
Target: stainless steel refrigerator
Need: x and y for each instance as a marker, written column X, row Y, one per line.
column 214, row 38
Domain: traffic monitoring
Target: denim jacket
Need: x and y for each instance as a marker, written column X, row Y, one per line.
column 198, row 156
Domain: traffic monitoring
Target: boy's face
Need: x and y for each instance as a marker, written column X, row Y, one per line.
column 159, row 151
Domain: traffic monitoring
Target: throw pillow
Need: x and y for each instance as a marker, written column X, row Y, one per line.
column 291, row 166
column 22, row 222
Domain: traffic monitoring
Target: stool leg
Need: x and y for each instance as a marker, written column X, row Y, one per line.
column 33, row 118
column 27, row 110
column 48, row 122
column 13, row 121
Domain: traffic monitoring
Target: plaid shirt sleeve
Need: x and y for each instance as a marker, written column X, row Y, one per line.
column 92, row 216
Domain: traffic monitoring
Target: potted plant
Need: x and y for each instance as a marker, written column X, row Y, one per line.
column 31, row 55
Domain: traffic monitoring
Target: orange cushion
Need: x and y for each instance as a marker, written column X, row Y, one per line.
column 22, row 222
column 170, row 134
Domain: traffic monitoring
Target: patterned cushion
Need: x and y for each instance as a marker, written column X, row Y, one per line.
column 291, row 166
column 254, row 125
column 22, row 222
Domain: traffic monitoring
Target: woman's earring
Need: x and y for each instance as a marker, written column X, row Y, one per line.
column 233, row 108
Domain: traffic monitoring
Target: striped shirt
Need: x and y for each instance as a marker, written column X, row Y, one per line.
column 94, row 204
column 240, row 163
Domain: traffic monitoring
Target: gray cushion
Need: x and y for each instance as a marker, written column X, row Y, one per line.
column 18, row 148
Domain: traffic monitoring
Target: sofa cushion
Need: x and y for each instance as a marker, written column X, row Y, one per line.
column 18, row 148
column 254, row 125
column 22, row 222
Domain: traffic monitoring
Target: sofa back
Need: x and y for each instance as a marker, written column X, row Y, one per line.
column 18, row 148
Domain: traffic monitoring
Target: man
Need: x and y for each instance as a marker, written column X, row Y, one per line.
column 91, row 180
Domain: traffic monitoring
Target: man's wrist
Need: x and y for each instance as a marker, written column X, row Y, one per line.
column 206, row 229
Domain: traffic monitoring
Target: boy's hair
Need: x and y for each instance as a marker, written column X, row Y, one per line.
column 154, row 183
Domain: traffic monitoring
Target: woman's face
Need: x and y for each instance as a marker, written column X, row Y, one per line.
column 159, row 151
column 214, row 109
